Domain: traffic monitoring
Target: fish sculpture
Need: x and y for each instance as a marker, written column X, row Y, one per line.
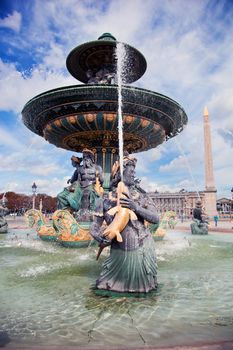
column 122, row 215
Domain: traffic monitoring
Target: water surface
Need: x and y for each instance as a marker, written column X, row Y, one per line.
column 47, row 300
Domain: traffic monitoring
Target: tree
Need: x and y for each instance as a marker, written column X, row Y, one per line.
column 18, row 202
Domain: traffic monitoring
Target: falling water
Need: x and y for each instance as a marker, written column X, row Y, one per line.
column 121, row 59
column 188, row 167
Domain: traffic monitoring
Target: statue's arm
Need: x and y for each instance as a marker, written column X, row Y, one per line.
column 146, row 212
column 96, row 231
column 99, row 172
column 95, row 228
column 74, row 176
column 149, row 214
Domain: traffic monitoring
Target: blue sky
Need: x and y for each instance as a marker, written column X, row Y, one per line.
column 189, row 51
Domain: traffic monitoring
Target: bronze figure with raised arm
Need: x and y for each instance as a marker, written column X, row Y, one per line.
column 86, row 184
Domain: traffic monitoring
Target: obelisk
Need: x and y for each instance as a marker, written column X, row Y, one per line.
column 210, row 189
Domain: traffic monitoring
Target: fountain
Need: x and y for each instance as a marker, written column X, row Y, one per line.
column 46, row 289
column 102, row 119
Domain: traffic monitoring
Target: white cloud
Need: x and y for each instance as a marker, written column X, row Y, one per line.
column 51, row 186
column 12, row 21
column 145, row 159
column 55, row 58
column 8, row 139
column 152, row 186
column 29, row 155
column 21, row 88
column 10, row 186
column 44, row 169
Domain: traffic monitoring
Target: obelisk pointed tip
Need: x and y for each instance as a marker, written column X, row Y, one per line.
column 205, row 113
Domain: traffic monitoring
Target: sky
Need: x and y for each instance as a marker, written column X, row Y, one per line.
column 189, row 51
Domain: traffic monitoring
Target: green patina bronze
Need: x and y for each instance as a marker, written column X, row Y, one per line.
column 3, row 211
column 81, row 244
column 199, row 228
column 49, row 238
column 63, row 228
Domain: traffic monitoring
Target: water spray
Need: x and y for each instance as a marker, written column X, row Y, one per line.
column 121, row 57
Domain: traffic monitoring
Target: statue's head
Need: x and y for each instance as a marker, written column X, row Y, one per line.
column 198, row 204
column 88, row 157
column 129, row 160
column 129, row 164
column 3, row 202
column 89, row 73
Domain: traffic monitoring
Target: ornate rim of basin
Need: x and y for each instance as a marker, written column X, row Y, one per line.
column 74, row 117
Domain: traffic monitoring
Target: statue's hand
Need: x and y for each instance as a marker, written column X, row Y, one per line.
column 71, row 188
column 68, row 181
column 127, row 202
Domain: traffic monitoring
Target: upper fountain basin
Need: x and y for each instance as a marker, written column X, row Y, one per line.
column 95, row 55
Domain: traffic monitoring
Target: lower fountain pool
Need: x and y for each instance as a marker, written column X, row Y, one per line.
column 47, row 300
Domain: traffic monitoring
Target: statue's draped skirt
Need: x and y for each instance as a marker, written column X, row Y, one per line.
column 130, row 271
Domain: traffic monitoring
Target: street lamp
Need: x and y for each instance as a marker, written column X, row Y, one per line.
column 41, row 205
column 34, row 187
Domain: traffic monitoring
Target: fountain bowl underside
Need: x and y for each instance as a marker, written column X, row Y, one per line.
column 80, row 116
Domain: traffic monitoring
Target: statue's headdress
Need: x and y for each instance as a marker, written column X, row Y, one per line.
column 90, row 153
column 127, row 160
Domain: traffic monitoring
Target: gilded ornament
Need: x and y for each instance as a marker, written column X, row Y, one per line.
column 129, row 119
column 110, row 117
column 58, row 123
column 144, row 122
column 72, row 119
column 90, row 117
column 48, row 128
column 156, row 127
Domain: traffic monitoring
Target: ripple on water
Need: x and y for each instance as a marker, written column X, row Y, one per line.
column 171, row 246
column 40, row 270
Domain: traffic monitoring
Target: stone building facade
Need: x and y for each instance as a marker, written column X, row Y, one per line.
column 225, row 206
column 181, row 202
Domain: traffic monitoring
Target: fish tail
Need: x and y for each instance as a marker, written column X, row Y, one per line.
column 99, row 252
column 132, row 215
column 119, row 237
